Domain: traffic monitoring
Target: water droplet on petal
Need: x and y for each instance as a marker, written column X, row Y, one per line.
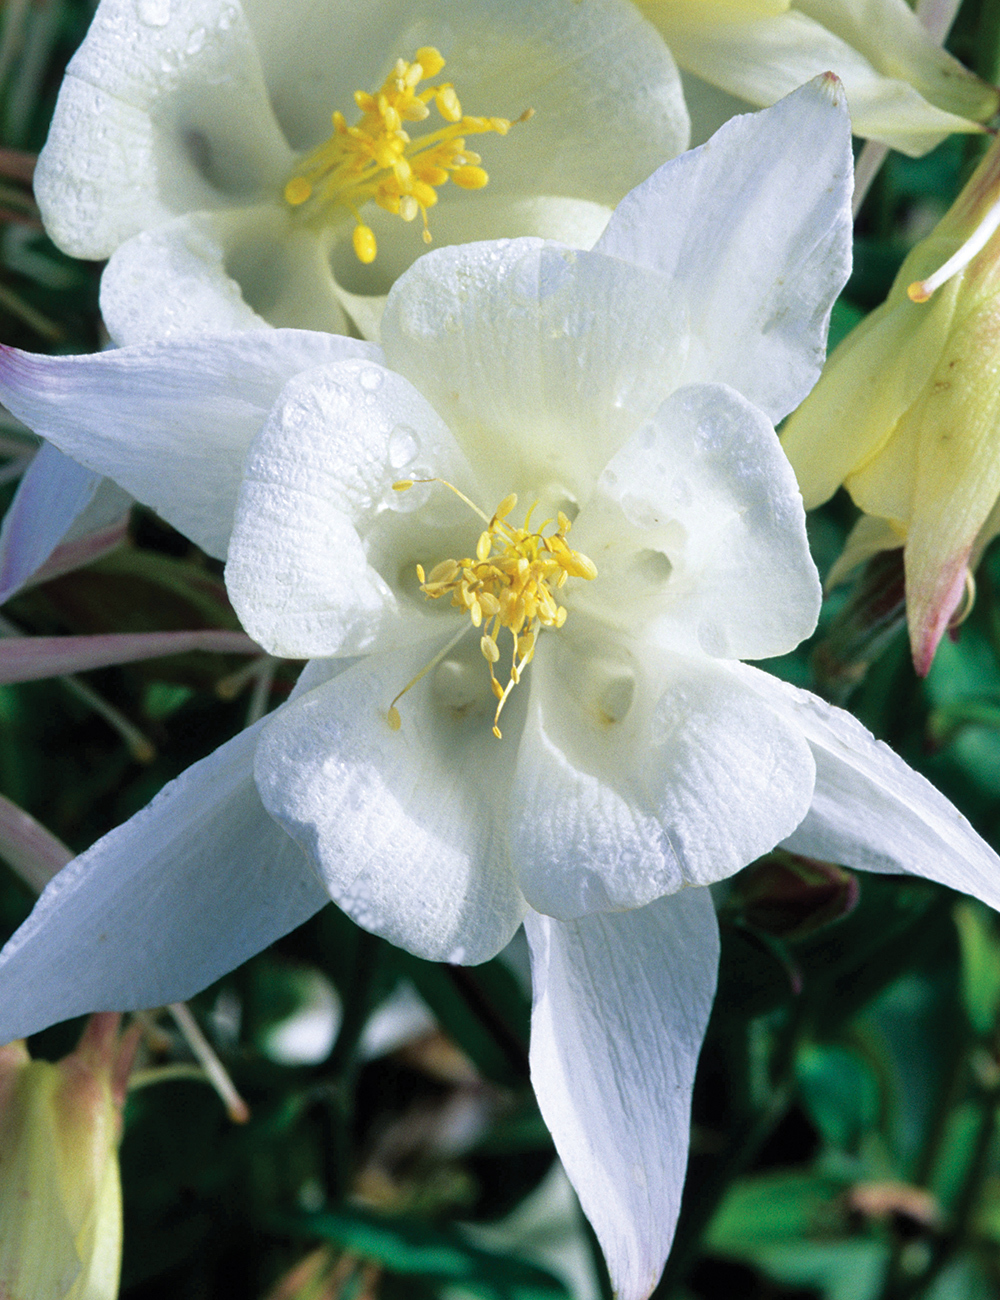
column 154, row 13
column 616, row 699
column 403, row 446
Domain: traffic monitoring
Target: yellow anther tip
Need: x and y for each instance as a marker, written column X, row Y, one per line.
column 297, row 191
column 393, row 719
column 365, row 247
column 448, row 104
column 918, row 291
column 430, row 60
column 470, row 178
column 402, row 485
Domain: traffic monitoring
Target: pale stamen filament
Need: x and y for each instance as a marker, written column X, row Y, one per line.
column 964, row 608
column 921, row 290
column 509, row 584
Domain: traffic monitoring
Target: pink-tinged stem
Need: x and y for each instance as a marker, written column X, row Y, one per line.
column 74, row 555
column 33, row 852
column 937, row 16
column 239, row 1111
column 31, row 658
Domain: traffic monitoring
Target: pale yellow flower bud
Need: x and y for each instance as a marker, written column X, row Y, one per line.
column 906, row 414
column 60, row 1193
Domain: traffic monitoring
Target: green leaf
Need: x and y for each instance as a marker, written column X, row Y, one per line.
column 774, row 1207
column 840, row 1093
column 957, row 1149
column 842, row 1270
column 410, row 1248
column 980, row 964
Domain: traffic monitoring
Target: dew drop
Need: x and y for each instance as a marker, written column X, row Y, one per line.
column 616, row 699
column 458, row 686
column 154, row 13
column 196, row 40
column 403, row 446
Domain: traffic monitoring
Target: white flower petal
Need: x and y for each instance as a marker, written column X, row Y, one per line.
column 621, row 1004
column 196, row 883
column 407, row 828
column 56, row 501
column 763, row 59
column 362, row 289
column 170, row 423
column 698, row 533
column 529, row 353
column 215, row 272
column 319, row 552
column 636, row 777
column 903, row 44
column 870, row 810
column 596, row 73
column 754, row 231
column 163, row 110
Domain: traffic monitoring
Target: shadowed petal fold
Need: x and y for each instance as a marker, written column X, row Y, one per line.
column 639, row 775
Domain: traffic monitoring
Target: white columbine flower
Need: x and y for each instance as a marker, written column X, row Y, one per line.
column 231, row 161
column 902, row 87
column 630, row 393
column 225, row 153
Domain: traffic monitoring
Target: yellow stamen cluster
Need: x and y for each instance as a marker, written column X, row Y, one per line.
column 377, row 159
column 509, row 584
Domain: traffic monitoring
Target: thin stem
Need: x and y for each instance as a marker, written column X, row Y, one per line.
column 238, row 1110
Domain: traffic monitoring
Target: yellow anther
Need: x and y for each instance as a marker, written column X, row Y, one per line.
column 470, row 178
column 297, row 191
column 365, row 247
column 448, row 104
column 509, row 584
column 430, row 60
column 377, row 160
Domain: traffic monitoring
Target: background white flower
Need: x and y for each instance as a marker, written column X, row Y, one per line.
column 902, row 87
column 178, row 126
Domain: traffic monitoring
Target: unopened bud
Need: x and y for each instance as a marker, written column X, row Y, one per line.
column 791, row 896
column 60, row 1193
